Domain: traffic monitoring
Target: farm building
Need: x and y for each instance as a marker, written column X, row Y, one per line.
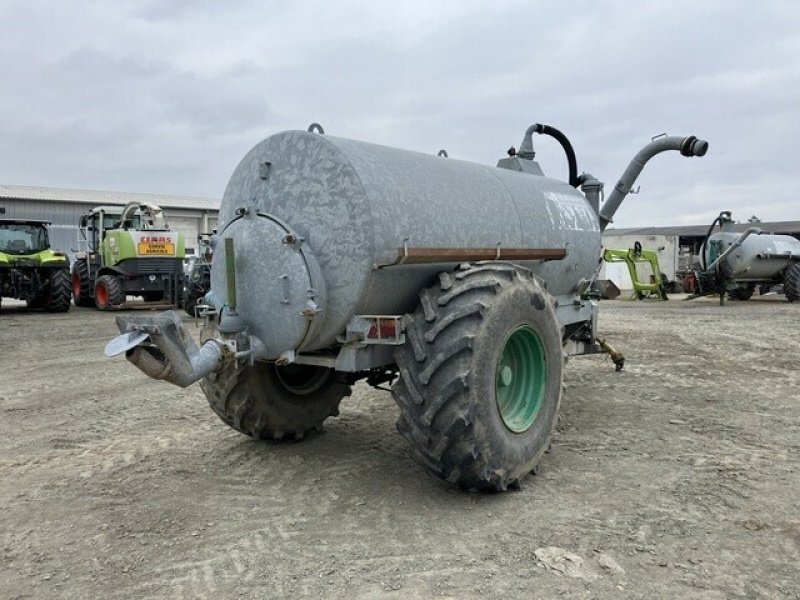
column 63, row 208
column 677, row 247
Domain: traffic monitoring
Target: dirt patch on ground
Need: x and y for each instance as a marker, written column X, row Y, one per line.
column 677, row 477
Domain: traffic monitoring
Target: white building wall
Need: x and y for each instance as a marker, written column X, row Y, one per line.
column 188, row 225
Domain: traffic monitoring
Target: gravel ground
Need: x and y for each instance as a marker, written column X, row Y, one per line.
column 677, row 477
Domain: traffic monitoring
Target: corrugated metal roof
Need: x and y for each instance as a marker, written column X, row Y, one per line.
column 786, row 227
column 37, row 221
column 96, row 197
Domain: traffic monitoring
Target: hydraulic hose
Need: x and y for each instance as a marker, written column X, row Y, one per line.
column 526, row 148
column 708, row 235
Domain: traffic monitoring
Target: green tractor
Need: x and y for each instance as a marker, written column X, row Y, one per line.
column 130, row 251
column 29, row 269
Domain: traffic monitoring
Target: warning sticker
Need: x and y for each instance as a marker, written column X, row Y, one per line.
column 157, row 248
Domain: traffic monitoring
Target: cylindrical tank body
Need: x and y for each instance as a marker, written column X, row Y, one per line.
column 760, row 257
column 355, row 207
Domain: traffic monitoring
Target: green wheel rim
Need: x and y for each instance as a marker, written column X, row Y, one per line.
column 520, row 379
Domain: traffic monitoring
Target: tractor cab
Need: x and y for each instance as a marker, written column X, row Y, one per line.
column 133, row 216
column 29, row 269
column 21, row 237
column 94, row 224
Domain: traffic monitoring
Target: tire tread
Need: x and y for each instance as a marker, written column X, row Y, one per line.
column 234, row 396
column 791, row 282
column 60, row 292
column 116, row 295
column 432, row 392
column 85, row 297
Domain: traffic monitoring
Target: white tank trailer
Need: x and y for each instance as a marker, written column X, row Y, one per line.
column 464, row 286
column 736, row 262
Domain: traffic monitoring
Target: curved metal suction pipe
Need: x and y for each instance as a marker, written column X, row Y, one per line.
column 688, row 146
column 720, row 261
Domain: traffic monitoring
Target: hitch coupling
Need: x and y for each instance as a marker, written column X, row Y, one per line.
column 161, row 348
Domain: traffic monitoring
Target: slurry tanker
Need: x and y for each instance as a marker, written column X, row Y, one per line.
column 735, row 262
column 463, row 286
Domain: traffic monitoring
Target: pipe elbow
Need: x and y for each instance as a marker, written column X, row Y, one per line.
column 166, row 360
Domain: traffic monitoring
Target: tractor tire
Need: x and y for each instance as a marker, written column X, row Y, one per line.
column 108, row 293
column 82, row 288
column 742, row 293
column 59, row 292
column 481, row 376
column 791, row 282
column 189, row 302
column 264, row 401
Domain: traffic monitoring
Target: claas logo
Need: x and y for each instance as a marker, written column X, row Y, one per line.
column 156, row 239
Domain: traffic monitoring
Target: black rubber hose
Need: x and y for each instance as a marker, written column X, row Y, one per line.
column 708, row 235
column 568, row 150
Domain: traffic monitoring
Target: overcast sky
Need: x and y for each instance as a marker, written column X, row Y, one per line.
column 167, row 96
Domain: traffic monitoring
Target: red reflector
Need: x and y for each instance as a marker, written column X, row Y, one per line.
column 383, row 329
column 388, row 328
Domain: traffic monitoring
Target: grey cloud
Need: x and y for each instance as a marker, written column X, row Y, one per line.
column 167, row 97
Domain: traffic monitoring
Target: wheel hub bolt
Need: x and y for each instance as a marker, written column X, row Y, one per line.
column 506, row 375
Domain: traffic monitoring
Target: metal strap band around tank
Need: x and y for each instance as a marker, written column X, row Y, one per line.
column 429, row 255
column 785, row 256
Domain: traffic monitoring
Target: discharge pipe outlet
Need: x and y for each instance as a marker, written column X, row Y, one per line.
column 161, row 348
column 688, row 146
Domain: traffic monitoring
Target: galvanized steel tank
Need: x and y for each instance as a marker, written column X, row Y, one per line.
column 759, row 258
column 316, row 220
